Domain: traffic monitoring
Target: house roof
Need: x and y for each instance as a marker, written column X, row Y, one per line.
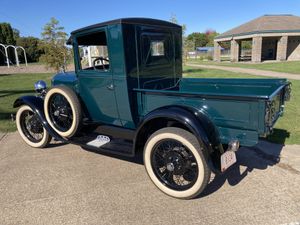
column 266, row 24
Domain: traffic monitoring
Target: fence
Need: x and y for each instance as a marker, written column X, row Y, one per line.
column 225, row 53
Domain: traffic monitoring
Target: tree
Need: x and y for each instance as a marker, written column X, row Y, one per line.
column 6, row 38
column 6, row 34
column 210, row 36
column 173, row 19
column 53, row 44
column 16, row 34
column 186, row 45
column 199, row 39
column 32, row 48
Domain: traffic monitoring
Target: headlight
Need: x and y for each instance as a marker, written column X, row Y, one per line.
column 40, row 86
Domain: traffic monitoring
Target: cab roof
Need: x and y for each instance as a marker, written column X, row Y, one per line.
column 133, row 21
column 141, row 21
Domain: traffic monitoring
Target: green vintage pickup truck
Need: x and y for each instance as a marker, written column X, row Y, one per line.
column 127, row 94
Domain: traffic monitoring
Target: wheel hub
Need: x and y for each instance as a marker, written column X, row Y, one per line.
column 170, row 167
column 31, row 127
column 174, row 162
column 34, row 125
column 56, row 113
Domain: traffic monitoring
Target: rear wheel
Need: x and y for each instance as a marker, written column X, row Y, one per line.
column 62, row 111
column 175, row 163
column 31, row 129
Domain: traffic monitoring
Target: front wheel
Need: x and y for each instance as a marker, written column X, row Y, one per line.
column 175, row 162
column 31, row 129
column 63, row 111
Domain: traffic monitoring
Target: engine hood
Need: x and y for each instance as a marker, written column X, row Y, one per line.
column 68, row 79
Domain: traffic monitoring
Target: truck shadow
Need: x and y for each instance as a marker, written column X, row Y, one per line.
column 137, row 159
column 5, row 74
column 278, row 136
column 248, row 160
column 259, row 157
column 6, row 93
column 193, row 72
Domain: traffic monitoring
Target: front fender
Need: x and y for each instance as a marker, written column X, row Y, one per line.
column 37, row 105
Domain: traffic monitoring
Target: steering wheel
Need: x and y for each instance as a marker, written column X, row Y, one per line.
column 102, row 60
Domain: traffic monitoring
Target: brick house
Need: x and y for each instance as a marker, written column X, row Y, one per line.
column 273, row 37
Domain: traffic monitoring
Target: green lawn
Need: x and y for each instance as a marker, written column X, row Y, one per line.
column 11, row 86
column 212, row 73
column 287, row 67
column 288, row 126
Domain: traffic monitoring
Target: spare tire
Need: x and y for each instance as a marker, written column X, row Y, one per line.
column 62, row 110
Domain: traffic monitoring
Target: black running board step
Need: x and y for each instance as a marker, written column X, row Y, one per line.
column 115, row 146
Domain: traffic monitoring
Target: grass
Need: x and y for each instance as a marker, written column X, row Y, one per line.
column 286, row 67
column 11, row 87
column 287, row 128
column 213, row 73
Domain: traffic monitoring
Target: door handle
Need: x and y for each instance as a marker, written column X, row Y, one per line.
column 110, row 87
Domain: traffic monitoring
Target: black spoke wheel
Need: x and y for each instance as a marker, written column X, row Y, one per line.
column 30, row 128
column 175, row 162
column 62, row 110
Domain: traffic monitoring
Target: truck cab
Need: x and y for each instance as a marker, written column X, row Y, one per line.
column 114, row 58
column 127, row 94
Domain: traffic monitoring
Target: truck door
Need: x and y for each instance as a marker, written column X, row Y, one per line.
column 96, row 87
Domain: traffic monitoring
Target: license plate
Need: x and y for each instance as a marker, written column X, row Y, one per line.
column 227, row 159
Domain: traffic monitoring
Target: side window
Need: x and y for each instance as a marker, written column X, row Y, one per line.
column 93, row 51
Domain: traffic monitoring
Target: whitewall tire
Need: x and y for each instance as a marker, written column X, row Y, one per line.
column 175, row 163
column 62, row 110
column 31, row 129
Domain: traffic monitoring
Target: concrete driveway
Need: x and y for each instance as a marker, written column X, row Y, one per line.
column 64, row 184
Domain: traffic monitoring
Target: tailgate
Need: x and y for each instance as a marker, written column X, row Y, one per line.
column 275, row 105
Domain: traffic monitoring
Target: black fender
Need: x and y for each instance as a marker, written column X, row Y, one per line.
column 195, row 120
column 37, row 105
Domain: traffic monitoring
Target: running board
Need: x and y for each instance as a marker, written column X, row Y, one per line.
column 103, row 143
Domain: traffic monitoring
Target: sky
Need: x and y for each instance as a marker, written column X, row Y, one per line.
column 29, row 16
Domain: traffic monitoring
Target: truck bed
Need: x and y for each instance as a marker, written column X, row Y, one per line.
column 238, row 107
column 253, row 88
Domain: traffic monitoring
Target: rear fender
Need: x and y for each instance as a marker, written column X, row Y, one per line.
column 37, row 105
column 196, row 121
